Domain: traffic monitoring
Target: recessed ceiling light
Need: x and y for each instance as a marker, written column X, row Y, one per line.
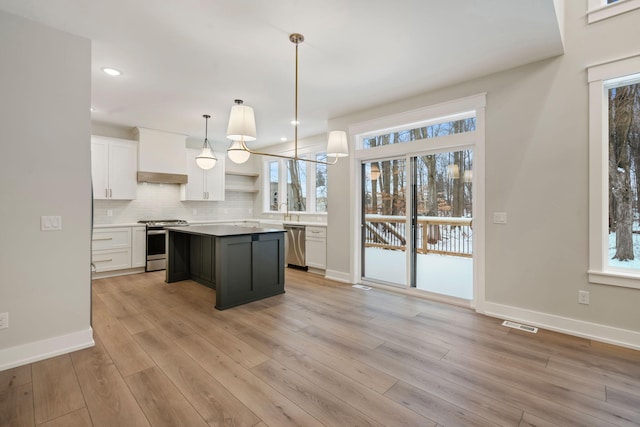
column 295, row 122
column 283, row 138
column 111, row 71
column 92, row 109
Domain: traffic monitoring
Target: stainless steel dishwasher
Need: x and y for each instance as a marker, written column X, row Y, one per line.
column 295, row 245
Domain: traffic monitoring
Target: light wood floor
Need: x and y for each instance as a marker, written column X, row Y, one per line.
column 324, row 353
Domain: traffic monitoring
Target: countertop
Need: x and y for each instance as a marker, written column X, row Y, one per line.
column 223, row 230
column 128, row 224
column 263, row 222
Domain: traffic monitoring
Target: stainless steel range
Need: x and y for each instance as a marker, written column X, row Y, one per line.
column 157, row 241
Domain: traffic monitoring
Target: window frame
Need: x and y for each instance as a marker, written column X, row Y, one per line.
column 310, row 202
column 600, row 9
column 601, row 78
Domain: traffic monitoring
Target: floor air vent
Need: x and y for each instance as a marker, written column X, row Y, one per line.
column 364, row 288
column 520, row 326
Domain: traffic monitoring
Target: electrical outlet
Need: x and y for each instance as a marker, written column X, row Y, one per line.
column 195, row 212
column 4, row 320
column 583, row 297
column 109, row 212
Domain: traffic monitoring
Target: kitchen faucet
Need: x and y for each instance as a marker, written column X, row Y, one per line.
column 286, row 215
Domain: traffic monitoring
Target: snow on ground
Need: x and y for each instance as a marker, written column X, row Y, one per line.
column 443, row 274
column 633, row 264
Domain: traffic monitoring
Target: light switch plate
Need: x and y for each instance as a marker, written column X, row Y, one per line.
column 499, row 217
column 49, row 223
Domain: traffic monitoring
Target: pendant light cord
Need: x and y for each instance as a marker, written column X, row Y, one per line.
column 295, row 135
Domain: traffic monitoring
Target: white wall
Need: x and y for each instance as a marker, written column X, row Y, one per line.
column 44, row 170
column 536, row 171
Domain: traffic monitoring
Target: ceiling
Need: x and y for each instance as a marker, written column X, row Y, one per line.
column 183, row 59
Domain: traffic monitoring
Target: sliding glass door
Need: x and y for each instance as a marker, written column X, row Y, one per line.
column 417, row 222
column 441, row 223
column 384, row 221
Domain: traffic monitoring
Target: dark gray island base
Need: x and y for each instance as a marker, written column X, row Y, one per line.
column 242, row 264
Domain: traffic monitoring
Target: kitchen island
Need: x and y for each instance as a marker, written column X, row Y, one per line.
column 242, row 264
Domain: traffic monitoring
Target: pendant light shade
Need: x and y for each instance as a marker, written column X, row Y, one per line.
column 242, row 123
column 453, row 171
column 338, row 145
column 375, row 171
column 206, row 159
column 237, row 152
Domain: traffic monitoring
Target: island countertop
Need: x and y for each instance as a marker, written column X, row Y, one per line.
column 223, row 230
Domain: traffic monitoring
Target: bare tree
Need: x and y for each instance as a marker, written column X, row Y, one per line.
column 296, row 197
column 621, row 109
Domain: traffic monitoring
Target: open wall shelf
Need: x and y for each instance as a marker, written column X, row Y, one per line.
column 241, row 182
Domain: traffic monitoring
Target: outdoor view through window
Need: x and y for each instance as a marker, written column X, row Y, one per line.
column 624, row 176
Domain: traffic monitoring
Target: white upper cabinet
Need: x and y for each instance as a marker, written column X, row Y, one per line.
column 114, row 165
column 204, row 185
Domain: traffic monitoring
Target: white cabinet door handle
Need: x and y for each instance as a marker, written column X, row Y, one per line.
column 103, row 238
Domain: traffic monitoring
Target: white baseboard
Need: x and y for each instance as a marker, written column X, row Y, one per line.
column 338, row 276
column 44, row 349
column 565, row 325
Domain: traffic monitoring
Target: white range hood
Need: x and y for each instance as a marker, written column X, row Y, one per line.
column 161, row 157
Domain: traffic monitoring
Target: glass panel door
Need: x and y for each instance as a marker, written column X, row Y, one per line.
column 429, row 247
column 441, row 223
column 384, row 221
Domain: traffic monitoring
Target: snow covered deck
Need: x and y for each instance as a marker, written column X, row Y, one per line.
column 443, row 274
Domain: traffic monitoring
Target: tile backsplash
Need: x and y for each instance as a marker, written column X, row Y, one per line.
column 162, row 201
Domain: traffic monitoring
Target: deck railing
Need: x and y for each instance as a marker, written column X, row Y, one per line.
column 438, row 235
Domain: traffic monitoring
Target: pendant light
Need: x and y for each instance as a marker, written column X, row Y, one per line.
column 206, row 159
column 375, row 171
column 242, row 128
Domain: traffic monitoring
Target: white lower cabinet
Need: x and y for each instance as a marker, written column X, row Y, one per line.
column 138, row 247
column 111, row 249
column 111, row 259
column 316, row 247
column 118, row 248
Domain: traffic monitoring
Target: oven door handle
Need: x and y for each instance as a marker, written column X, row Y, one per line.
column 152, row 232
